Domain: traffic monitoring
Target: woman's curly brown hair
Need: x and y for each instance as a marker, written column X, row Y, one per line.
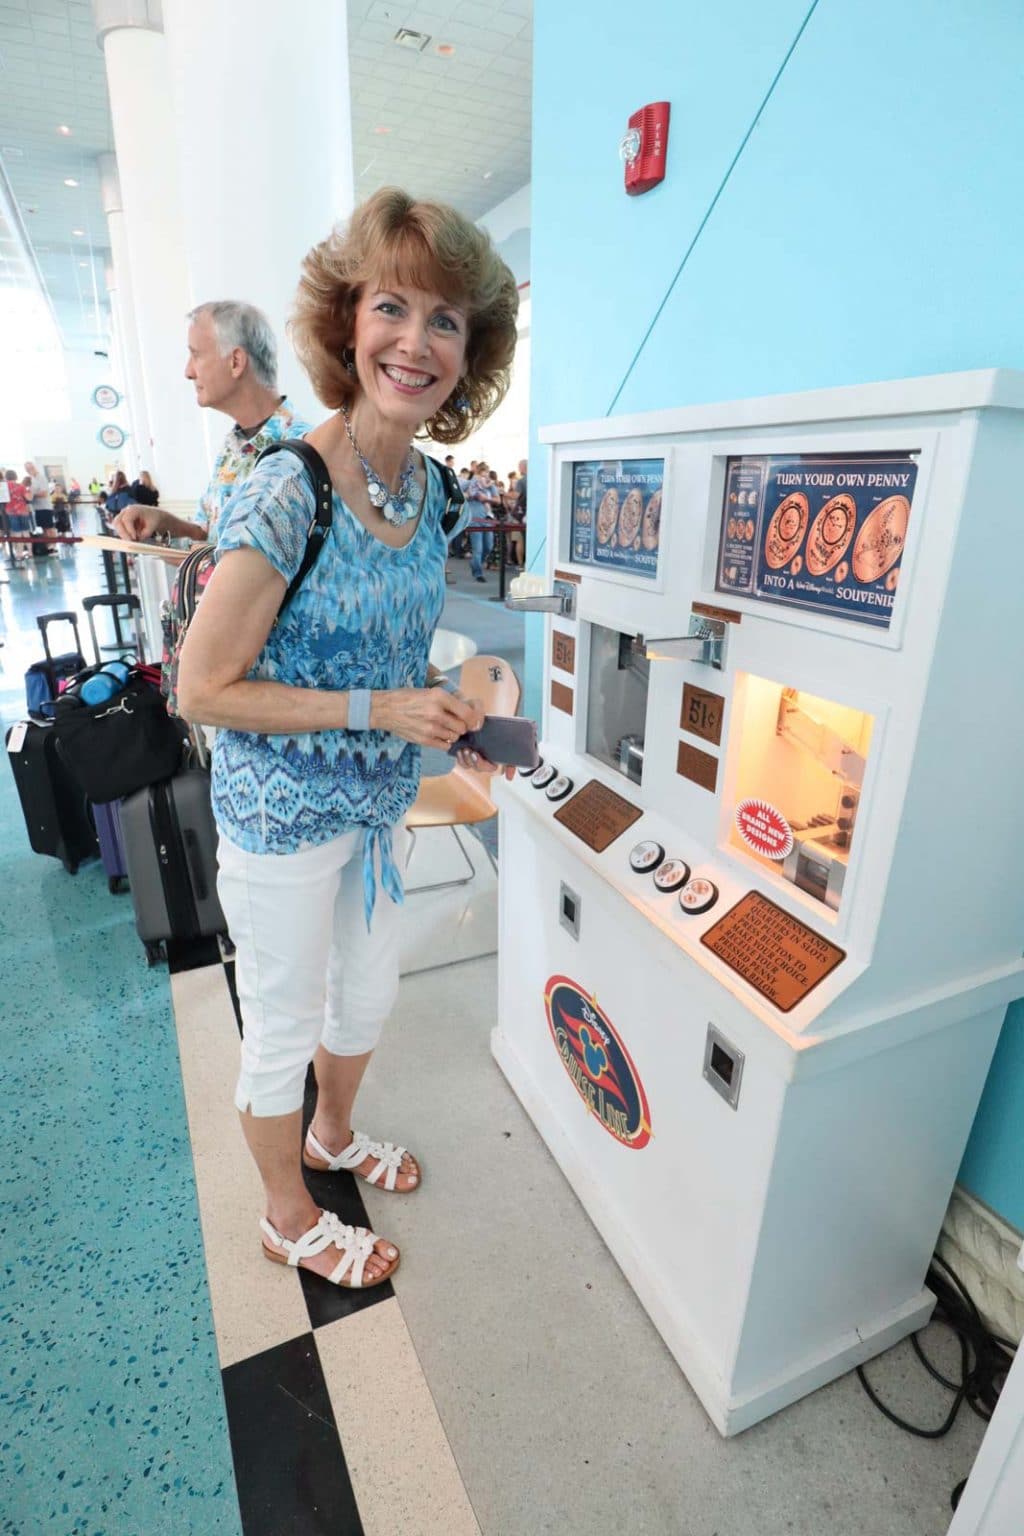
column 395, row 240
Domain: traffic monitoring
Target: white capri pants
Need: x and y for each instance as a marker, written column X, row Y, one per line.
column 308, row 973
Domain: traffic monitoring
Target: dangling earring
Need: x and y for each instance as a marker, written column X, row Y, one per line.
column 348, row 359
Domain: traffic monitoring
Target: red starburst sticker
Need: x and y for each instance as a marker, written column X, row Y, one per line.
column 764, row 829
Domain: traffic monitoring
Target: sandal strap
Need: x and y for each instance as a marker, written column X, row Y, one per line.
column 355, row 1243
column 389, row 1157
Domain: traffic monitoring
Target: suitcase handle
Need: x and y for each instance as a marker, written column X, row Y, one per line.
column 45, row 619
column 112, row 600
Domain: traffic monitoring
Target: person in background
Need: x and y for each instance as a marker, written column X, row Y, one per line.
column 120, row 495
column 480, row 498
column 42, row 504
column 144, row 492
column 19, row 513
column 74, row 491
column 515, row 543
column 94, row 487
column 406, row 323
column 61, row 512
column 232, row 361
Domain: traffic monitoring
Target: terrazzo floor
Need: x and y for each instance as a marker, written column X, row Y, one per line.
column 159, row 1377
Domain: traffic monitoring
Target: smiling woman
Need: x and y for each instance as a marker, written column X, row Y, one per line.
column 406, row 323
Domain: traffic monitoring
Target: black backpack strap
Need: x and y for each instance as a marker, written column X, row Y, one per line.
column 455, row 500
column 323, row 506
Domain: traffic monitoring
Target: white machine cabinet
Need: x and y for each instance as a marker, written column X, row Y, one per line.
column 762, row 907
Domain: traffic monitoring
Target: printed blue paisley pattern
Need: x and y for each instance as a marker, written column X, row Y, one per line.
column 364, row 618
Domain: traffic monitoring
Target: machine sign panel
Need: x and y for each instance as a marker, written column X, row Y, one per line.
column 773, row 951
column 817, row 532
column 616, row 514
column 597, row 1063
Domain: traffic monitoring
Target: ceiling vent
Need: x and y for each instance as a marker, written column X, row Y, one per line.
column 417, row 41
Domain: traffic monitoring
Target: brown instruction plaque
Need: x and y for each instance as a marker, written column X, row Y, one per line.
column 561, row 698
column 701, row 714
column 563, row 651
column 701, row 767
column 597, row 815
column 774, row 952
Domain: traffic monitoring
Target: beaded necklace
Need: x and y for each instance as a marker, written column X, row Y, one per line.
column 397, row 507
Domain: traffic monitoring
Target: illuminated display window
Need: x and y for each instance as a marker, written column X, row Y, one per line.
column 800, row 770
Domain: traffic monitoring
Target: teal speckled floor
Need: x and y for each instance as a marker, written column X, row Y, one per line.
column 111, row 1409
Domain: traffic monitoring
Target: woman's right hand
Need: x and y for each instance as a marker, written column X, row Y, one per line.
column 430, row 717
column 138, row 523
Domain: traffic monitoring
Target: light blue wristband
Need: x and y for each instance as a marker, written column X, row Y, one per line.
column 359, row 709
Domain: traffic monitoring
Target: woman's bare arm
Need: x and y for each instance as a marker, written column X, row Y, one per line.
column 227, row 633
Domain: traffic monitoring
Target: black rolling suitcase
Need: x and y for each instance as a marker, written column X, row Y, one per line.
column 170, row 844
column 56, row 811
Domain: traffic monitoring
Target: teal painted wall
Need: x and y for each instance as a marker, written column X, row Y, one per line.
column 865, row 221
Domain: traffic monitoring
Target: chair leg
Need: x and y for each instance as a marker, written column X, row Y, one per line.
column 445, row 885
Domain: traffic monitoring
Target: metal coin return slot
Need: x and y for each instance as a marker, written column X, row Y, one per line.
column 569, row 910
column 723, row 1066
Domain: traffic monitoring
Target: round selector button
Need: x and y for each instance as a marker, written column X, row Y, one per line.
column 528, row 773
column 671, row 875
column 559, row 788
column 646, row 856
column 698, row 895
column 542, row 776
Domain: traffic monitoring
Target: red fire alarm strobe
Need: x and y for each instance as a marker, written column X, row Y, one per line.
column 644, row 147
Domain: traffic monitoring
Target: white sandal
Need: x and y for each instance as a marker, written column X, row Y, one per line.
column 389, row 1159
column 356, row 1245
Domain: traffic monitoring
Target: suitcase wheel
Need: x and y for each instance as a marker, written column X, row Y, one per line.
column 154, row 953
column 116, row 883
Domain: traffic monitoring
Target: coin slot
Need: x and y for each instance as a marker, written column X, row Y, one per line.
column 723, row 1066
column 569, row 910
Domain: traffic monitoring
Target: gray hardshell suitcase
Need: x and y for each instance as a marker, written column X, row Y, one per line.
column 170, row 844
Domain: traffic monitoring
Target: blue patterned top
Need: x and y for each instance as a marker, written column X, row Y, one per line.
column 363, row 618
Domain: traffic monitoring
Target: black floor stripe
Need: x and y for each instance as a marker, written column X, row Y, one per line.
column 337, row 1192
column 289, row 1464
column 191, row 954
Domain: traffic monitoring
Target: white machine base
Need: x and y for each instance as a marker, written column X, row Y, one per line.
column 453, row 921
column 730, row 1415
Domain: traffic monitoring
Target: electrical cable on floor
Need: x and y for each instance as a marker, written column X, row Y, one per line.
column 985, row 1359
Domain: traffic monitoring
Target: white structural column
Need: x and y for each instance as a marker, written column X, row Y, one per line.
column 123, row 323
column 140, row 108
column 263, row 131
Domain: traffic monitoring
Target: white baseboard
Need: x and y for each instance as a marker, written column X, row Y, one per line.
column 984, row 1252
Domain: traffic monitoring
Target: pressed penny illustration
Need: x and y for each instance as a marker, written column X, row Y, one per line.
column 881, row 539
column 830, row 534
column 786, row 530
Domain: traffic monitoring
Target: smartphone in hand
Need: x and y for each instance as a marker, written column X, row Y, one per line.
column 508, row 740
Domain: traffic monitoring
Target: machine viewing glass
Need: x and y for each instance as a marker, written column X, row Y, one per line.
column 817, row 532
column 617, row 701
column 800, row 770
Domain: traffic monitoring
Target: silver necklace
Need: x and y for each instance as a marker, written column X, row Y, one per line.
column 397, row 507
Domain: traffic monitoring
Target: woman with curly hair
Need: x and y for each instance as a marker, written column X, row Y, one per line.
column 406, row 324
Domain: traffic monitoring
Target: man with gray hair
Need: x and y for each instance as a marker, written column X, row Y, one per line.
column 232, row 361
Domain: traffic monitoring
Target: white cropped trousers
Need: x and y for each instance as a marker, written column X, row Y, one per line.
column 308, row 973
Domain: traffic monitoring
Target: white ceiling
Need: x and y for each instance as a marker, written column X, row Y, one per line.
column 458, row 127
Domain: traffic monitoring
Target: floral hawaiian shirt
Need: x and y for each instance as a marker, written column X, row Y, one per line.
column 237, row 458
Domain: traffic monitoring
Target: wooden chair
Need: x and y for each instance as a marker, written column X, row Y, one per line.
column 461, row 797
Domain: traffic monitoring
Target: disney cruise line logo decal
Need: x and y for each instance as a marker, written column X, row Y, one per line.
column 598, row 1064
